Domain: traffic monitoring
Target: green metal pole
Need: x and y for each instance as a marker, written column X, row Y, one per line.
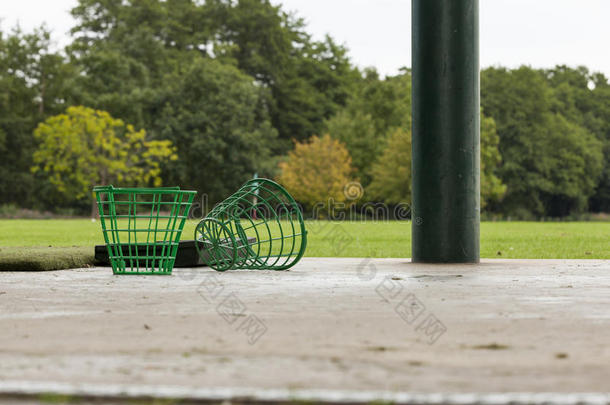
column 446, row 131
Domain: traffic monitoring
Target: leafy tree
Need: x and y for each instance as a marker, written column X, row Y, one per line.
column 357, row 131
column 576, row 159
column 35, row 82
column 145, row 40
column 125, row 50
column 584, row 98
column 115, row 83
column 550, row 165
column 318, row 87
column 387, row 101
column 152, row 63
column 86, row 147
column 308, row 80
column 215, row 116
column 492, row 188
column 600, row 201
column 373, row 113
column 151, row 32
column 316, row 172
column 258, row 36
column 392, row 171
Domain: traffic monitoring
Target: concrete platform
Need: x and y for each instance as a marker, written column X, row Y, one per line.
column 329, row 330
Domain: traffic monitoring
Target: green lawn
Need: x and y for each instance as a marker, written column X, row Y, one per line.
column 38, row 244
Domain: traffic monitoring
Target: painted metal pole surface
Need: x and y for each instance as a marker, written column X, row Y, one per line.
column 446, row 131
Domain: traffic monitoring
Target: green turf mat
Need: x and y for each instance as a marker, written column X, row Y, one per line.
column 39, row 258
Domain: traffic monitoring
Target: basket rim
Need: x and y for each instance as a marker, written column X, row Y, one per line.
column 142, row 190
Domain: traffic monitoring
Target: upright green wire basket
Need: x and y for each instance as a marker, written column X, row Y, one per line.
column 142, row 226
column 259, row 227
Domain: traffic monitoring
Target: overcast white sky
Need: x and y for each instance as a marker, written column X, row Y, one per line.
column 541, row 33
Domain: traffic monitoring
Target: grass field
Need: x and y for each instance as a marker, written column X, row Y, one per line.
column 53, row 244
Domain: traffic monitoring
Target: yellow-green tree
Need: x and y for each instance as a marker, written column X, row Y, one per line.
column 392, row 171
column 86, row 147
column 316, row 172
column 492, row 188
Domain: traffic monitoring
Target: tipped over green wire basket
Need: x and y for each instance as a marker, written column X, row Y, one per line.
column 259, row 227
column 142, row 226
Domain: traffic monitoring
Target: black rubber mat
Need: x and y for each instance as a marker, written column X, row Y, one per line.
column 187, row 255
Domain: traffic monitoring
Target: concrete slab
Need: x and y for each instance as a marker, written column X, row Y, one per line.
column 351, row 330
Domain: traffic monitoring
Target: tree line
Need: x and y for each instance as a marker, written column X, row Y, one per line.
column 232, row 88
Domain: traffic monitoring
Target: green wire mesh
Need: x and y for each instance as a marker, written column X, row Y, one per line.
column 142, row 226
column 259, row 227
